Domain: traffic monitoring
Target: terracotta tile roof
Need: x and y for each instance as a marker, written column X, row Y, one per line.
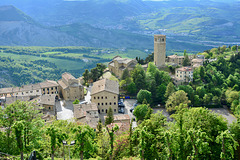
column 67, row 76
column 48, row 84
column 81, row 112
column 105, row 85
column 121, row 117
column 30, row 87
column 197, row 60
column 48, row 99
column 184, row 69
column 123, row 127
column 17, row 89
column 175, row 56
column 10, row 100
column 6, row 90
column 62, row 84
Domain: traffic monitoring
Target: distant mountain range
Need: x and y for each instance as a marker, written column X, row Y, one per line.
column 192, row 25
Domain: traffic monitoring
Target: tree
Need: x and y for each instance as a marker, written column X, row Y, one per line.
column 144, row 94
column 162, row 77
column 176, row 99
column 111, row 132
column 84, row 136
column 132, row 89
column 228, row 145
column 110, row 117
column 125, row 74
column 231, row 96
column 56, row 138
column 123, row 84
column 170, row 89
column 26, row 112
column 151, row 68
column 186, row 61
column 161, row 90
column 140, row 111
column 202, row 72
column 149, row 137
column 139, row 77
column 189, row 90
column 86, row 76
column 149, row 113
column 18, row 130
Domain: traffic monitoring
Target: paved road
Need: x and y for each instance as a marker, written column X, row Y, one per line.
column 225, row 113
column 221, row 111
column 64, row 110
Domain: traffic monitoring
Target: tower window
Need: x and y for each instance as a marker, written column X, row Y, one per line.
column 163, row 39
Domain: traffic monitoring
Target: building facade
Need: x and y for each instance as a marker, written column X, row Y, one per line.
column 87, row 114
column 183, row 74
column 175, row 59
column 70, row 88
column 105, row 94
column 159, row 50
column 119, row 64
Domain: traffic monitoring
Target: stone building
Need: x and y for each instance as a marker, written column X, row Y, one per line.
column 70, row 88
column 197, row 62
column 183, row 74
column 159, row 50
column 87, row 114
column 119, row 64
column 175, row 59
column 31, row 90
column 49, row 87
column 48, row 102
column 105, row 94
column 122, row 121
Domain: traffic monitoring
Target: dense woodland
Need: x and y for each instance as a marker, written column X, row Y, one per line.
column 193, row 132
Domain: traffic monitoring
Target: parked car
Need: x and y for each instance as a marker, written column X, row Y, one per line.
column 133, row 107
column 121, row 110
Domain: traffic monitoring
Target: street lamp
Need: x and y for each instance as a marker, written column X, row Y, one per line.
column 65, row 144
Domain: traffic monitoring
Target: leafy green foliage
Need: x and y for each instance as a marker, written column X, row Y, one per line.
column 110, row 118
column 141, row 111
column 85, row 144
column 176, row 99
column 144, row 94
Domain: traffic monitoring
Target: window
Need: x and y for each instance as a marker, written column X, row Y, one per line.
column 114, row 103
column 102, row 110
column 114, row 110
column 99, row 104
column 27, row 92
column 56, row 88
column 106, row 103
column 102, row 97
column 94, row 97
column 52, row 88
column 52, row 92
column 106, row 97
column 114, row 97
column 22, row 93
column 106, row 110
column 97, row 97
column 163, row 39
column 102, row 104
column 110, row 103
column 49, row 108
column 43, row 89
column 31, row 91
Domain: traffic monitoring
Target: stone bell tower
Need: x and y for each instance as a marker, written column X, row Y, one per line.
column 159, row 50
